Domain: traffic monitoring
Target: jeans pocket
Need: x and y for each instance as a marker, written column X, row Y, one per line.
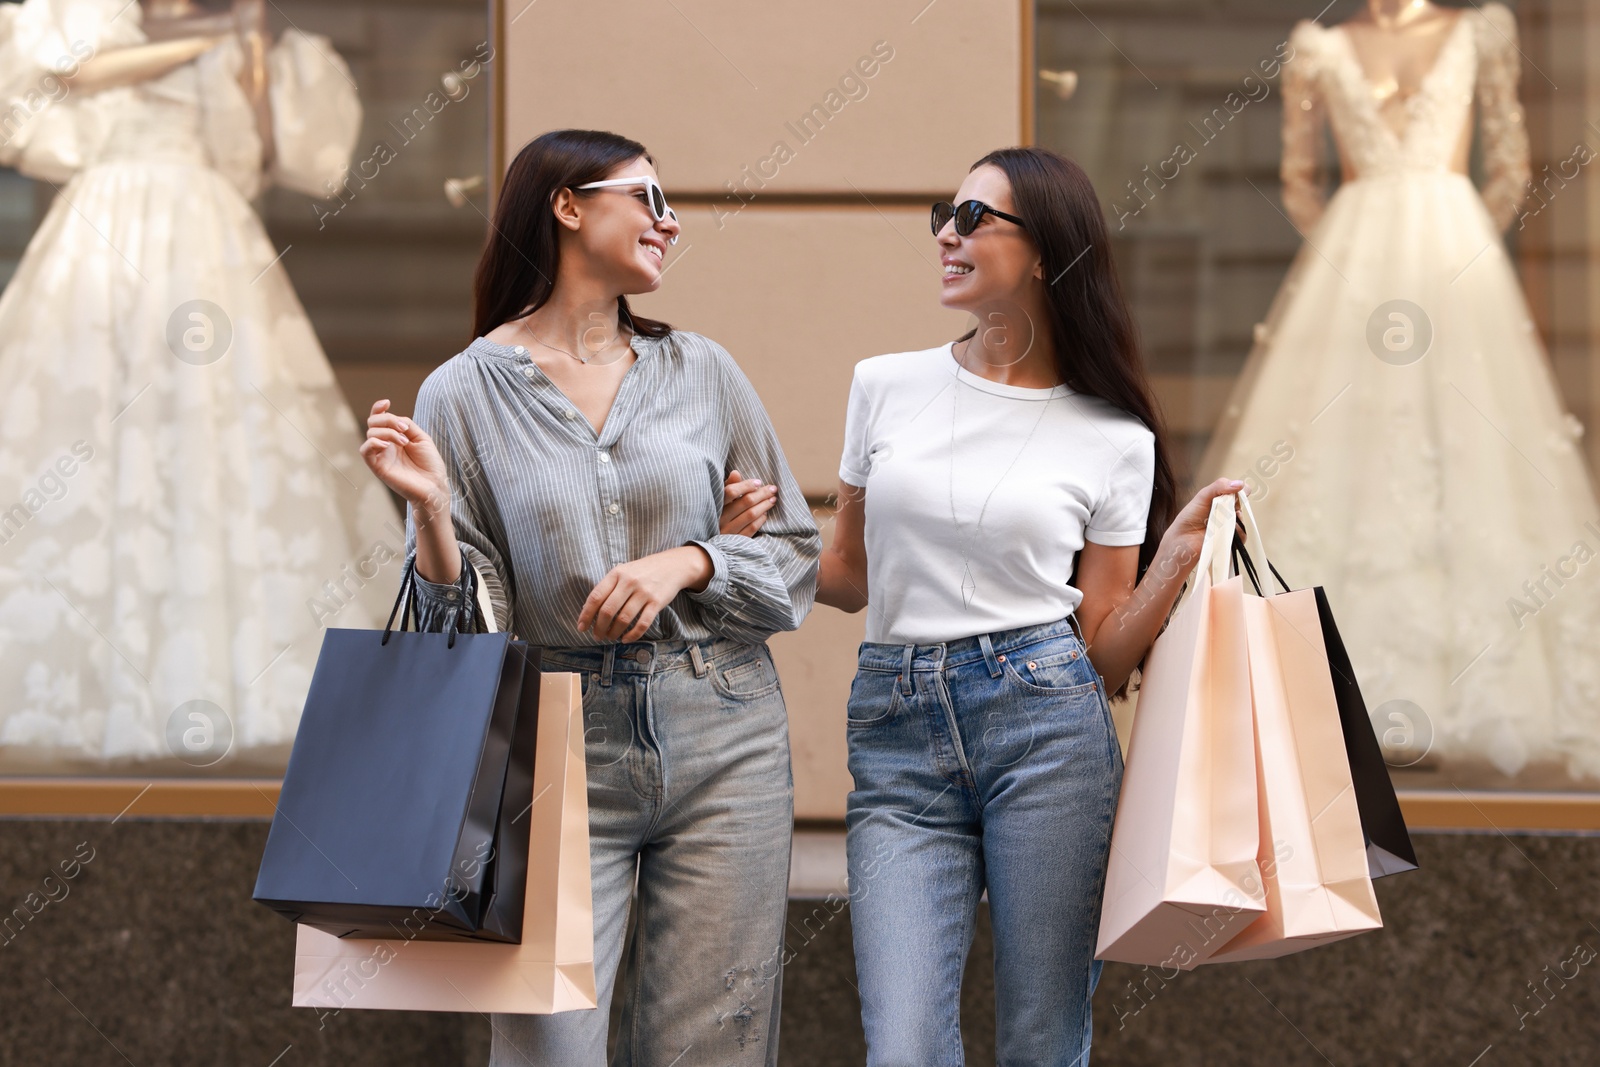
column 746, row 674
column 874, row 699
column 1058, row 675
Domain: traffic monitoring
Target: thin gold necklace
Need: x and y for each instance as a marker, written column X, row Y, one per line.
column 525, row 328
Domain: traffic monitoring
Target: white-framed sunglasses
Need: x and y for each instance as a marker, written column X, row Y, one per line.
column 656, row 198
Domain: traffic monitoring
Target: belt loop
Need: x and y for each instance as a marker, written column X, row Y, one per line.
column 607, row 658
column 905, row 669
column 1072, row 620
column 989, row 656
column 697, row 659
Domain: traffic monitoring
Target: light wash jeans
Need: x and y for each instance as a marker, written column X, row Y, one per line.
column 985, row 763
column 691, row 801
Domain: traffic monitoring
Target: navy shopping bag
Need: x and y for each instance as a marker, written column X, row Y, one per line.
column 411, row 767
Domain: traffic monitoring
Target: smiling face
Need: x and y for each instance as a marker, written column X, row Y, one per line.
column 618, row 236
column 997, row 263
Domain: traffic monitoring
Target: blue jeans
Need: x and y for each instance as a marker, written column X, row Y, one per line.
column 985, row 763
column 691, row 809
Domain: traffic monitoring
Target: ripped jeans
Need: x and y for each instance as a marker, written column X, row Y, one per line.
column 691, row 809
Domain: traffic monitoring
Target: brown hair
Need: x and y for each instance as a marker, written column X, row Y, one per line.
column 521, row 253
column 1096, row 343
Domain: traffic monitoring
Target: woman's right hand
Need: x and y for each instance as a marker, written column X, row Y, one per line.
column 404, row 458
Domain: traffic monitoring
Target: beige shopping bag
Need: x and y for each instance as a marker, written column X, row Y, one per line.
column 1313, row 854
column 552, row 970
column 1182, row 879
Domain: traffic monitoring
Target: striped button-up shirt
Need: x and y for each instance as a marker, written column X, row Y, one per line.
column 544, row 507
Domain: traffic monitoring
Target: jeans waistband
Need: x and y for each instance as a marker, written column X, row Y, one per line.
column 641, row 657
column 897, row 658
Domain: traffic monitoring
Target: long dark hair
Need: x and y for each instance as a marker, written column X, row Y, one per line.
column 1096, row 343
column 517, row 270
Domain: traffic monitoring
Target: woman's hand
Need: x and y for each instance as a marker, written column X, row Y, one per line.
column 1188, row 531
column 745, row 504
column 404, row 458
column 631, row 595
column 1124, row 619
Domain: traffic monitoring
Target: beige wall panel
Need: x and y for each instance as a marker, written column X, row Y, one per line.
column 816, row 664
column 799, row 296
column 366, row 383
column 712, row 86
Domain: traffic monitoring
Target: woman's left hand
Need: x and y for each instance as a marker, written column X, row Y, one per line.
column 631, row 595
column 745, row 504
column 1188, row 531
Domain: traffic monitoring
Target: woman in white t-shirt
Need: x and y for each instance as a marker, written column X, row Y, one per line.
column 1003, row 517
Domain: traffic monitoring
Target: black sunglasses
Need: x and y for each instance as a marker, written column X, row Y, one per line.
column 967, row 216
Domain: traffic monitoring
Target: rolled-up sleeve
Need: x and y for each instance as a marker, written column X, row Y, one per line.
column 471, row 514
column 767, row 583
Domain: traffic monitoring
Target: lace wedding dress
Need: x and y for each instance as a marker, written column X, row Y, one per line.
column 1415, row 457
column 182, row 506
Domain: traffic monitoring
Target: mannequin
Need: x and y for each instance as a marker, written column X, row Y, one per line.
column 178, row 32
column 1425, row 467
column 218, row 516
column 1397, row 43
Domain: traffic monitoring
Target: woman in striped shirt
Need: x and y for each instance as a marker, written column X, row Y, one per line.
column 573, row 457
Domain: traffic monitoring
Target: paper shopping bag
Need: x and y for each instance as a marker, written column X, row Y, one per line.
column 1389, row 849
column 552, row 970
column 1313, row 855
column 1181, row 879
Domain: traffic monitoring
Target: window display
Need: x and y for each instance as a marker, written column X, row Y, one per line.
column 1394, row 408
column 193, row 512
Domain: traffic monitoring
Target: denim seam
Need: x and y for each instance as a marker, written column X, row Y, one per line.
column 968, row 782
column 647, row 723
column 637, row 979
column 1112, row 745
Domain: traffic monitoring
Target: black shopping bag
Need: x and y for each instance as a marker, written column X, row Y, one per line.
column 412, row 764
column 1389, row 848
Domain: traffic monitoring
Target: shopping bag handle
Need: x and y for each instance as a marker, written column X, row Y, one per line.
column 466, row 583
column 1241, row 554
column 1221, row 526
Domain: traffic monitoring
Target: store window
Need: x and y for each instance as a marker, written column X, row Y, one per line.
column 1405, row 391
column 205, row 344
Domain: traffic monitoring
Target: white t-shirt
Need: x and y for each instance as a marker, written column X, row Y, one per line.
column 979, row 495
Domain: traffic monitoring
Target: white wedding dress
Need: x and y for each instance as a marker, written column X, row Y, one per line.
column 178, row 481
column 1437, row 492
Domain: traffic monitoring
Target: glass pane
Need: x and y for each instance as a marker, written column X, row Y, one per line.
column 146, row 626
column 1380, row 373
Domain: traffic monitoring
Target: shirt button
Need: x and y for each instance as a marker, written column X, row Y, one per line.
column 528, row 370
column 569, row 414
column 614, row 508
column 605, row 457
column 451, row 595
column 519, row 350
